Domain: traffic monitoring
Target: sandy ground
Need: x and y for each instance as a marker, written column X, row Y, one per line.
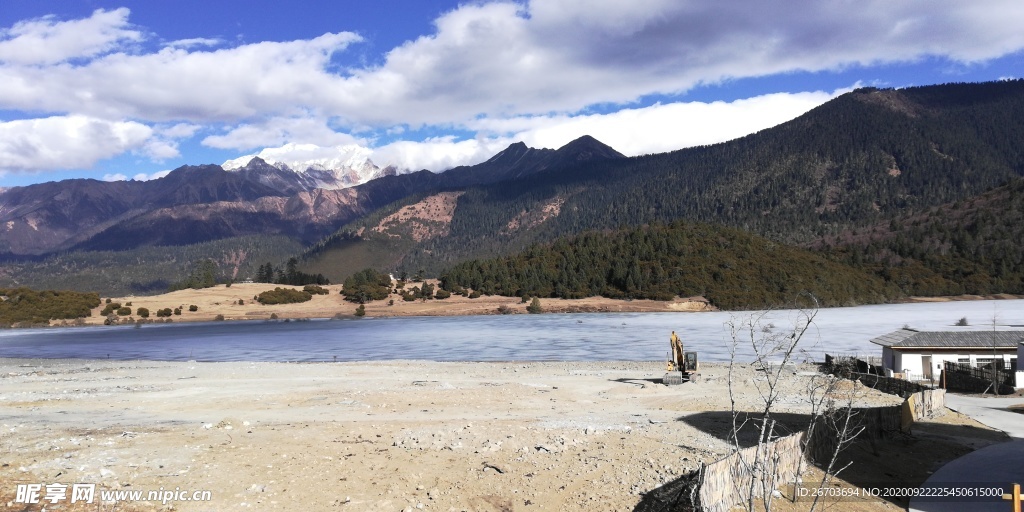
column 386, row 436
column 224, row 300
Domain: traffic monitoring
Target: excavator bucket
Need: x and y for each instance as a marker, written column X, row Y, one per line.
column 672, row 379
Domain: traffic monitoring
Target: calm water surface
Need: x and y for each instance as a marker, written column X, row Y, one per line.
column 548, row 337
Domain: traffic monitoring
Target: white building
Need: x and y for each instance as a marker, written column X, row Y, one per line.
column 1020, row 373
column 921, row 355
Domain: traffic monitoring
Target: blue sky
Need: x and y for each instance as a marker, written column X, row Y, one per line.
column 131, row 89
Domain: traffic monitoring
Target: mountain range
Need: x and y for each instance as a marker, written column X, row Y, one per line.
column 867, row 157
column 871, row 157
column 195, row 204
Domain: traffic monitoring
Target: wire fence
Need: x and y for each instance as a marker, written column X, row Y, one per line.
column 994, row 371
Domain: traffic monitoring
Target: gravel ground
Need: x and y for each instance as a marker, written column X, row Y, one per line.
column 373, row 436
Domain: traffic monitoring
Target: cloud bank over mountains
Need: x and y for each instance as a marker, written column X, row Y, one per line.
column 78, row 91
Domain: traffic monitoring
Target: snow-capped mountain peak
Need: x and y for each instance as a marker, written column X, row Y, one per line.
column 330, row 167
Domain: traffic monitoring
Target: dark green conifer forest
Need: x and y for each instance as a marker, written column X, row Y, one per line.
column 729, row 267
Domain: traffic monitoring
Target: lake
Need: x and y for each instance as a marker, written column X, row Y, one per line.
column 546, row 337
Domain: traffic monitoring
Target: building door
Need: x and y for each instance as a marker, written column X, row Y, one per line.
column 926, row 366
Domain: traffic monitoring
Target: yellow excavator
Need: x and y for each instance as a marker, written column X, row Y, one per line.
column 681, row 366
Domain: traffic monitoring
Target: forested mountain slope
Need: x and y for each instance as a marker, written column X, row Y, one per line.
column 731, row 268
column 863, row 158
column 970, row 246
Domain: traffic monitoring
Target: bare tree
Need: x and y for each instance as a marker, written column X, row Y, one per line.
column 831, row 409
column 773, row 350
column 833, row 424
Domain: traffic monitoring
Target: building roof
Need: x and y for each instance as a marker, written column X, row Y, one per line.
column 910, row 338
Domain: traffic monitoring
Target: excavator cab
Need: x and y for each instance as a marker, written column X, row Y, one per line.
column 691, row 362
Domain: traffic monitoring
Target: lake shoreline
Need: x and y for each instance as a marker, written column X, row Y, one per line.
column 237, row 302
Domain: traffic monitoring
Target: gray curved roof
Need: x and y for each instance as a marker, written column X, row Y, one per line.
column 909, row 338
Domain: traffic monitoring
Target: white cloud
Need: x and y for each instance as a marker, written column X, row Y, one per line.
column 66, row 142
column 511, row 70
column 501, row 59
column 496, row 59
column 159, row 150
column 438, row 154
column 175, row 84
column 194, row 42
column 661, row 128
column 178, row 131
column 653, row 129
column 138, row 177
column 278, row 131
column 153, row 176
column 48, row 41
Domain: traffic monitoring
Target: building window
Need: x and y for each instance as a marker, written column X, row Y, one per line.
column 987, row 362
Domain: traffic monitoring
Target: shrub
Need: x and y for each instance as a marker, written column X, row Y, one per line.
column 442, row 294
column 315, row 289
column 391, row 302
column 505, row 310
column 367, row 285
column 125, row 311
column 283, row 296
column 474, row 295
column 241, row 302
column 177, row 311
column 108, row 300
column 361, row 310
column 273, row 316
column 962, row 322
column 143, row 312
column 110, row 308
column 534, row 306
column 408, row 297
column 128, row 304
column 165, row 312
column 219, row 318
column 193, row 308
